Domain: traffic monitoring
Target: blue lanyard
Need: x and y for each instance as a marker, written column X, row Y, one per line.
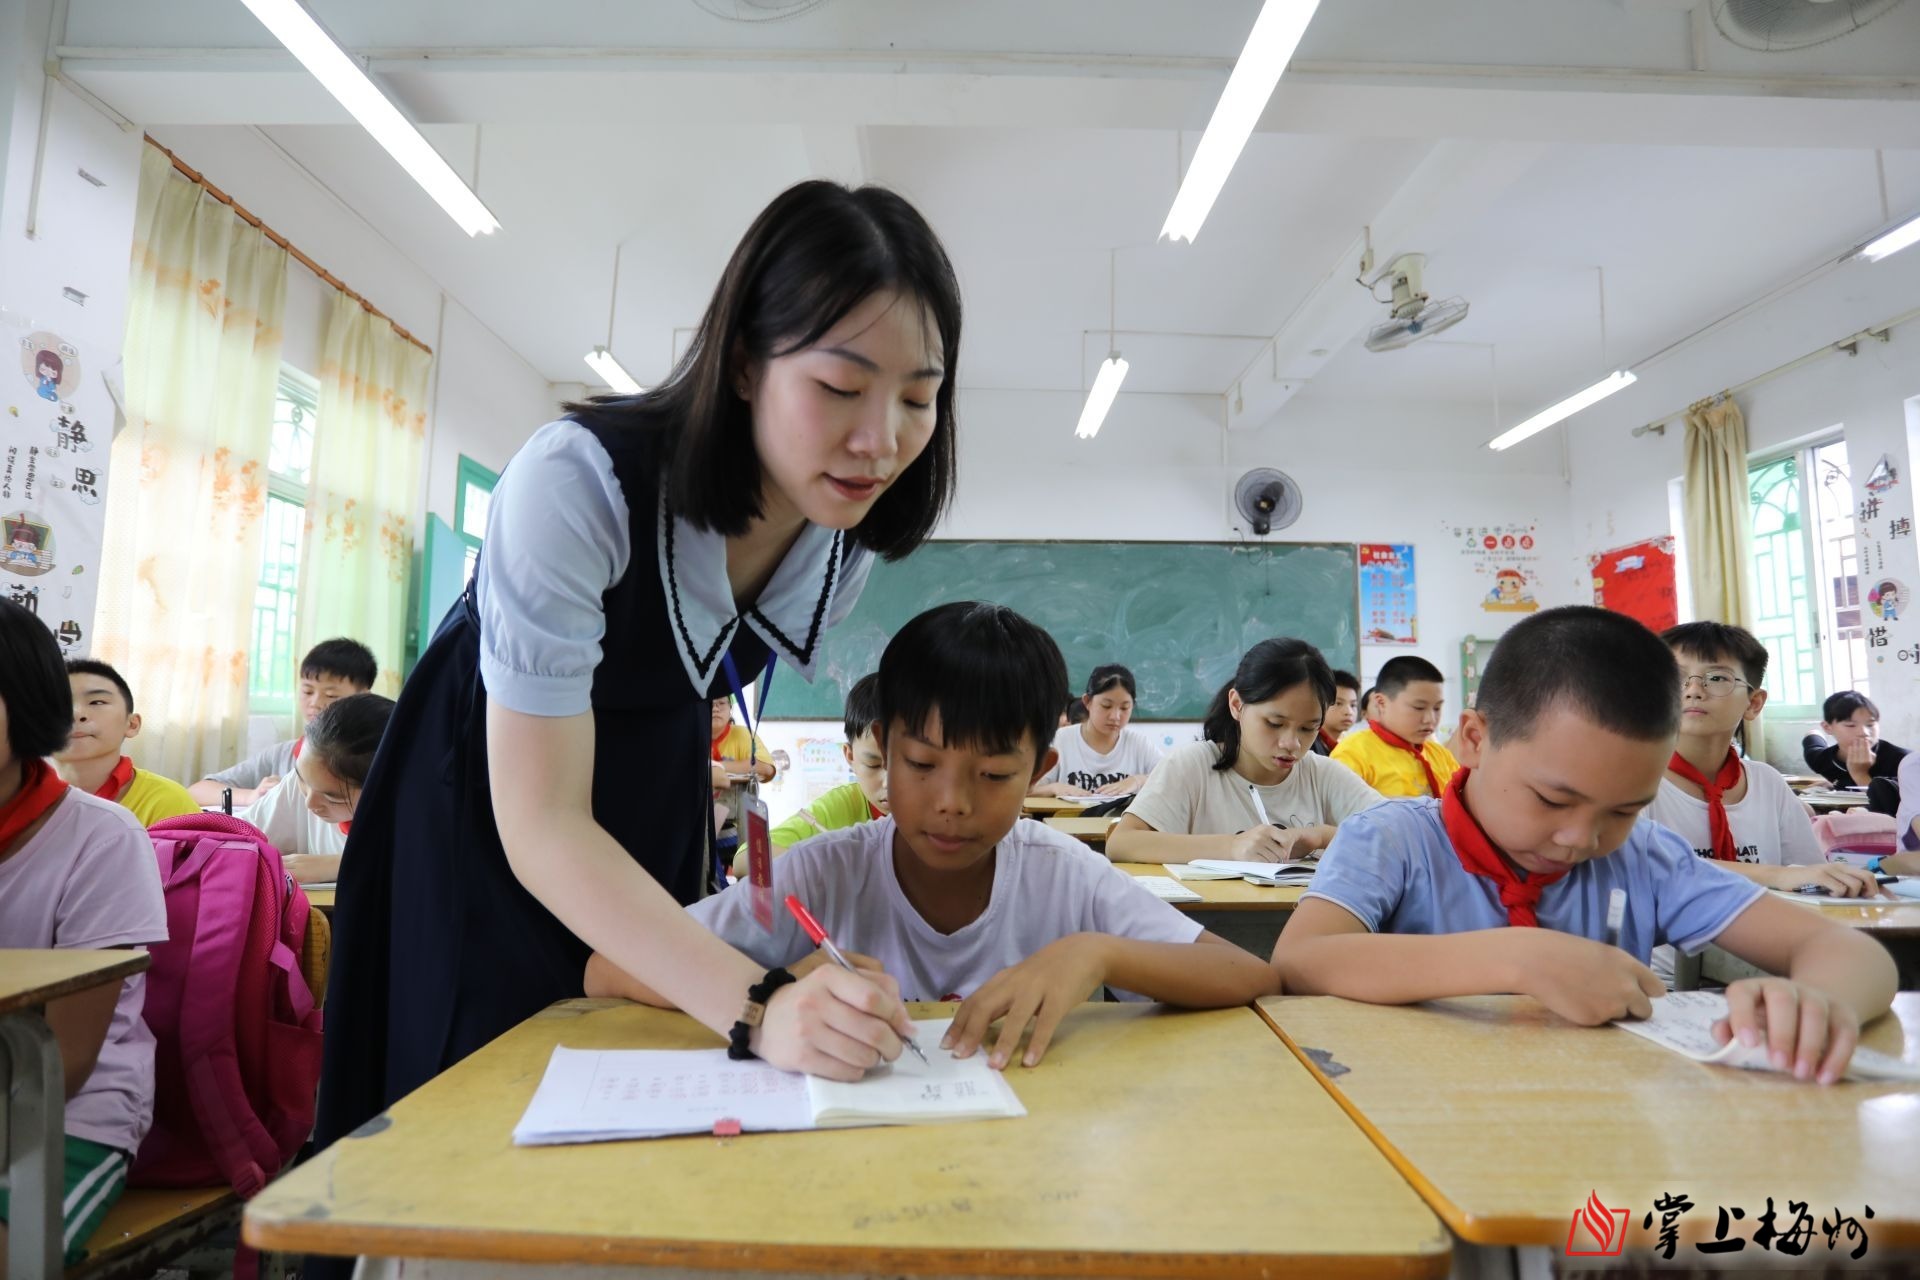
column 754, row 716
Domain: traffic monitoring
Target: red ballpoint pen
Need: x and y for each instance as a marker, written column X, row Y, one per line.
column 821, row 940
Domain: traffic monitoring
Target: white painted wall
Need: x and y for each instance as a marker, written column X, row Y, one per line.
column 1619, row 491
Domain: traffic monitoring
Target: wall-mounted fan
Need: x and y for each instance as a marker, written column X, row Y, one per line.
column 1267, row 500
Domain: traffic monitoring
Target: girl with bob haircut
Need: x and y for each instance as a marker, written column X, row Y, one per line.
column 542, row 789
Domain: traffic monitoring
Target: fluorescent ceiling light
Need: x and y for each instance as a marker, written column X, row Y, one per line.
column 308, row 41
column 601, row 361
column 1565, row 409
column 1901, row 237
column 1276, row 34
column 1106, row 385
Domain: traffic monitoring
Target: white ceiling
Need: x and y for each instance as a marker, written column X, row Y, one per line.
column 1520, row 143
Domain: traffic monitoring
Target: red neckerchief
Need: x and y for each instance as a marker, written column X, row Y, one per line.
column 1479, row 856
column 1328, row 741
column 1716, row 788
column 346, row 827
column 117, row 780
column 724, row 735
column 874, row 809
column 40, row 789
column 1393, row 739
column 297, row 744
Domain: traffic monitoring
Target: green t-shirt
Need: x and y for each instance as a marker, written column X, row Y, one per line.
column 844, row 806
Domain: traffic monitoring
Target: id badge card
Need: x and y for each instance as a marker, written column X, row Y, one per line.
column 754, row 830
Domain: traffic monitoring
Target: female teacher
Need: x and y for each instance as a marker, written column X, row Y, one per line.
column 542, row 790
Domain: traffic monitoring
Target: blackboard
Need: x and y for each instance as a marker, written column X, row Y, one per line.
column 1179, row 614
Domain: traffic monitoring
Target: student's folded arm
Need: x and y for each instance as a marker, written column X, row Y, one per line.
column 606, row 980
column 1207, row 973
column 1798, row 944
column 1133, row 840
column 1325, row 950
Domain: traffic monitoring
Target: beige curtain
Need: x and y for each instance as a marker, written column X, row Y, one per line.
column 1719, row 518
column 367, row 449
column 181, row 546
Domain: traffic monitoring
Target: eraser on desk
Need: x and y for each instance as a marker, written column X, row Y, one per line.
column 727, row 1128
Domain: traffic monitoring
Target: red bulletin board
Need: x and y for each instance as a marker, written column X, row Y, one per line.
column 1637, row 580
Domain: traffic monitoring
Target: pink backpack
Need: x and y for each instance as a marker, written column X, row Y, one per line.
column 237, row 1061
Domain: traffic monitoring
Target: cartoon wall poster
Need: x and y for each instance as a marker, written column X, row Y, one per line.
column 1887, row 598
column 1505, row 558
column 53, row 482
column 51, row 365
column 1388, row 604
column 1883, row 477
column 1638, row 580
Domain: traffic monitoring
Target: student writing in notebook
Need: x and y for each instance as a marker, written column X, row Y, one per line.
column 1253, row 790
column 1398, row 756
column 862, row 800
column 1342, row 713
column 1503, row 885
column 1738, row 812
column 1102, row 755
column 309, row 813
column 953, row 895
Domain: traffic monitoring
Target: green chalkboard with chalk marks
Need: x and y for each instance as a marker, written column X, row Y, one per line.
column 1179, row 613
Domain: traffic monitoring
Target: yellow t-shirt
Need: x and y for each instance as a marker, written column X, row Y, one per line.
column 1392, row 771
column 736, row 744
column 152, row 798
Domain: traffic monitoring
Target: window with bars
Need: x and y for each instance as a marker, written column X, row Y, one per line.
column 472, row 498
column 1806, row 562
column 271, row 672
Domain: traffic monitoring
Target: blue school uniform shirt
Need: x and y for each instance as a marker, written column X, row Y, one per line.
column 1395, row 871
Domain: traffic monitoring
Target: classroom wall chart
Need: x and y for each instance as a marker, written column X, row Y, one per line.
column 55, row 434
column 1638, row 580
column 1505, row 558
column 1388, row 607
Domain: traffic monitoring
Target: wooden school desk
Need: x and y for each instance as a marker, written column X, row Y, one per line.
column 1052, row 806
column 1249, row 915
column 321, row 899
column 1104, row 1176
column 1092, row 830
column 1507, row 1118
column 33, row 1094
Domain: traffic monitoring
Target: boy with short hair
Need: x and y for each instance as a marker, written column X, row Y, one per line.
column 1400, row 758
column 1574, row 727
column 862, row 800
column 104, row 721
column 955, row 896
column 1342, row 713
column 332, row 670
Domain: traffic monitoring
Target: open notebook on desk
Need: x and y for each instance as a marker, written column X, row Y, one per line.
column 1267, row 873
column 1683, row 1022
column 601, row 1095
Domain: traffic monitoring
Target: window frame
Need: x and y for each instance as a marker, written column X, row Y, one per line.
column 470, row 474
column 1817, row 560
column 303, row 391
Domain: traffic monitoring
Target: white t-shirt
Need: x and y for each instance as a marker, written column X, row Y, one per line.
column 289, row 825
column 1046, row 886
column 1081, row 766
column 1770, row 827
column 1188, row 796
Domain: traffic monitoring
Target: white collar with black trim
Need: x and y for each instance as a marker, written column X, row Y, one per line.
column 791, row 614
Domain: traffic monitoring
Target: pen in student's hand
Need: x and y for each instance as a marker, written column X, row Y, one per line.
column 1259, row 805
column 1616, row 915
column 821, row 940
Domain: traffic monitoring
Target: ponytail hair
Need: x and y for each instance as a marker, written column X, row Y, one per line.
column 1267, row 670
